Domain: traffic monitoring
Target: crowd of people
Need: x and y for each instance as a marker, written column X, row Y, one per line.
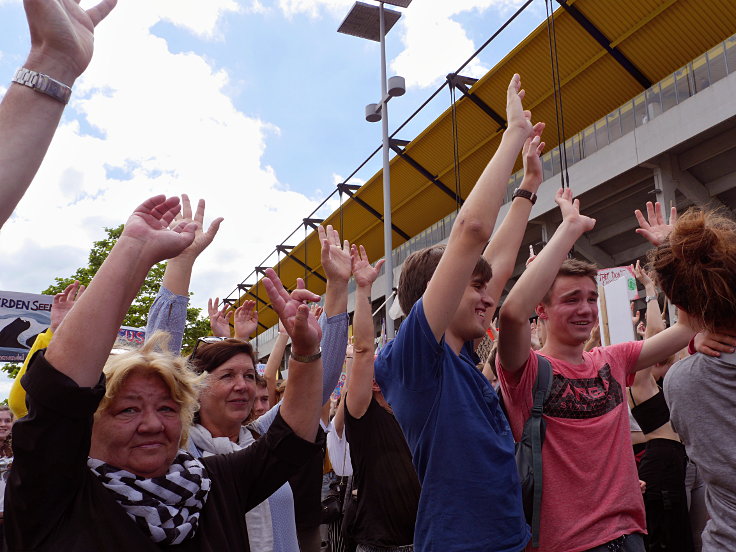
column 156, row 448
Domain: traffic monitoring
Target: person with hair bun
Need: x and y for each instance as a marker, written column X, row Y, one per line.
column 696, row 268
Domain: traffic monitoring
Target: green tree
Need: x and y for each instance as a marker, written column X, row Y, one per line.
column 137, row 316
column 10, row 368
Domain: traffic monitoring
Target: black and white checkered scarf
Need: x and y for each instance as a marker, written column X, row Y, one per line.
column 166, row 507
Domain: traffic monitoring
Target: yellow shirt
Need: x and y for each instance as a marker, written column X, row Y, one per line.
column 17, row 397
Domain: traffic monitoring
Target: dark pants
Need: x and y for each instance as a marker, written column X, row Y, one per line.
column 665, row 500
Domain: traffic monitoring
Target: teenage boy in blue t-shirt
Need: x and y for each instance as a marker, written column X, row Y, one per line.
column 460, row 441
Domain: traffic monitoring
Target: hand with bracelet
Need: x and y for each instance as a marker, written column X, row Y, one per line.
column 295, row 316
column 62, row 39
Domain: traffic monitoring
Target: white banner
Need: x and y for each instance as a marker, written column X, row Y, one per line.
column 22, row 317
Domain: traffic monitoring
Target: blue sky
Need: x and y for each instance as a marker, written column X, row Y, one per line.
column 255, row 105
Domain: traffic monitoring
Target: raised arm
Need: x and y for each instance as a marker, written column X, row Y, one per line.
column 83, row 341
column 271, row 371
column 169, row 309
column 644, row 385
column 337, row 263
column 514, row 333
column 476, row 219
column 504, row 246
column 360, row 386
column 655, row 228
column 302, row 402
column 63, row 303
column 61, row 48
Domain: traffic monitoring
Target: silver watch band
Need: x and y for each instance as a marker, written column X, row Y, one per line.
column 44, row 84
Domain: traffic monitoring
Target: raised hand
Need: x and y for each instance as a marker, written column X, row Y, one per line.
column 531, row 156
column 245, row 319
column 63, row 303
column 571, row 210
column 517, row 117
column 364, row 273
column 294, row 314
column 642, row 275
column 149, row 225
column 655, row 229
column 201, row 238
column 218, row 318
column 62, row 36
column 335, row 256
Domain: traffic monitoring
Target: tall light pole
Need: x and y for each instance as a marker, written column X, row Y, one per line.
column 373, row 23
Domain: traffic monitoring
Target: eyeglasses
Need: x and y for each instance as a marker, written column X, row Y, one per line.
column 207, row 339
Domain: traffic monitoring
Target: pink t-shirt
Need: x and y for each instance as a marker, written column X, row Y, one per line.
column 591, row 489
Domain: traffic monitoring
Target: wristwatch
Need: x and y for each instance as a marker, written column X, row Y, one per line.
column 307, row 358
column 526, row 194
column 43, row 84
column 650, row 298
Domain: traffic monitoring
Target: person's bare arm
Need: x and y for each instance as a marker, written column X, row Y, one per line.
column 360, row 390
column 61, row 47
column 271, row 371
column 666, row 343
column 178, row 271
column 83, row 341
column 503, row 248
column 644, row 386
column 336, row 262
column 514, row 335
column 302, row 401
column 477, row 217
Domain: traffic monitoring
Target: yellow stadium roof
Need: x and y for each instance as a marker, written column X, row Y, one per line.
column 608, row 51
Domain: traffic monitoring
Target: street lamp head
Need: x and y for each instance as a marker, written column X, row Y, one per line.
column 363, row 21
column 400, row 3
column 396, row 86
column 373, row 113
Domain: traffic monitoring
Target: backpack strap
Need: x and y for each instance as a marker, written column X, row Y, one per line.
column 542, row 387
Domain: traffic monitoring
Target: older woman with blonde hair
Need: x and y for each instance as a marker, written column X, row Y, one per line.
column 101, row 468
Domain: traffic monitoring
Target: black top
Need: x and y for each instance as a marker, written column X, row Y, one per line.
column 387, row 484
column 306, row 486
column 54, row 502
column 651, row 414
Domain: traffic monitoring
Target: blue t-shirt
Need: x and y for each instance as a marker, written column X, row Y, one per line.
column 460, row 441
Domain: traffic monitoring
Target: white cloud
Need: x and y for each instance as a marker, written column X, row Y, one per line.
column 434, row 43
column 143, row 121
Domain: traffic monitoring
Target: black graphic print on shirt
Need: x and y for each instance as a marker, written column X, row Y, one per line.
column 583, row 398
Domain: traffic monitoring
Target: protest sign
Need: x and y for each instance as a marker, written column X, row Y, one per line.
column 22, row 317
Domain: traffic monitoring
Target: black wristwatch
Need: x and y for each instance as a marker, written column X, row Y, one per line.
column 526, row 194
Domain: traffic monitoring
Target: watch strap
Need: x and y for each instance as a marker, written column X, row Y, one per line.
column 307, row 358
column 43, row 84
column 526, row 194
column 649, row 298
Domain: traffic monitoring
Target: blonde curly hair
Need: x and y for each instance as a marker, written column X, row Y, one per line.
column 174, row 371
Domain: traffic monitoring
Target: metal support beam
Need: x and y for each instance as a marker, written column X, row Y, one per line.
column 307, row 267
column 312, row 222
column 593, row 252
column 413, row 163
column 285, row 249
column 460, row 83
column 371, row 210
column 627, row 256
column 601, row 39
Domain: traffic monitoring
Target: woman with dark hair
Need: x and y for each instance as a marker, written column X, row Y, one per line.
column 98, row 464
column 226, row 402
column 695, row 266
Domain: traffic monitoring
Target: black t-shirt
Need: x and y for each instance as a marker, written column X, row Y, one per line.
column 54, row 502
column 306, row 486
column 387, row 484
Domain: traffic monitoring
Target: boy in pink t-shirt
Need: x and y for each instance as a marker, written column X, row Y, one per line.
column 590, row 494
